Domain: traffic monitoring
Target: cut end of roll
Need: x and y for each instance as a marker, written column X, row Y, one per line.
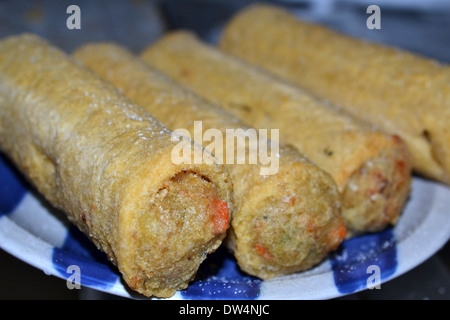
column 294, row 224
column 182, row 223
column 379, row 188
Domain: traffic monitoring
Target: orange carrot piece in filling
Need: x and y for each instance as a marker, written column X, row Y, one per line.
column 337, row 235
column 263, row 252
column 221, row 216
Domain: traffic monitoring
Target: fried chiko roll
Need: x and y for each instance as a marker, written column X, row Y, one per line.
column 399, row 92
column 107, row 164
column 371, row 169
column 283, row 222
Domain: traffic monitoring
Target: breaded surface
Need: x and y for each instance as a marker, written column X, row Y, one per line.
column 399, row 92
column 283, row 222
column 107, row 164
column 332, row 140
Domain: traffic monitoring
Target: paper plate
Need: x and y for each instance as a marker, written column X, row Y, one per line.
column 33, row 232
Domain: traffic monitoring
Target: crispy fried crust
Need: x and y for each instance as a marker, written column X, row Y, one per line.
column 107, row 164
column 399, row 92
column 332, row 140
column 284, row 222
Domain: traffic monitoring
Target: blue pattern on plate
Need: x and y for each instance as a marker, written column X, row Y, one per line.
column 95, row 270
column 12, row 187
column 219, row 277
column 351, row 262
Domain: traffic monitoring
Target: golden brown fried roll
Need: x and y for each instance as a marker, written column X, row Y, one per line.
column 283, row 222
column 372, row 170
column 399, row 92
column 107, row 163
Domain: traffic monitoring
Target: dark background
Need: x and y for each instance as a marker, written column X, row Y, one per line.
column 421, row 26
